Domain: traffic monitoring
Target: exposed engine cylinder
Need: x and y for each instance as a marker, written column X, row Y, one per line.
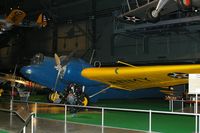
column 75, row 94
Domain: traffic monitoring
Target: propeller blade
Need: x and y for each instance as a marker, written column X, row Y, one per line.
column 57, row 59
column 57, row 79
column 59, row 66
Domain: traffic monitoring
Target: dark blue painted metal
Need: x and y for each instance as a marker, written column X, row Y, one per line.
column 45, row 74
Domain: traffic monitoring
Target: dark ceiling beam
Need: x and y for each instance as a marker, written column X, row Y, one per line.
column 94, row 25
column 67, row 4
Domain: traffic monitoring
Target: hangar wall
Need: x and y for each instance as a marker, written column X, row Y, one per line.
column 72, row 36
column 110, row 47
column 171, row 46
column 38, row 41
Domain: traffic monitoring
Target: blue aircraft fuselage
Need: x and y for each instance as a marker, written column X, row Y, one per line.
column 45, row 74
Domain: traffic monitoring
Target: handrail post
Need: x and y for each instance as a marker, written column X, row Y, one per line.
column 196, row 124
column 150, row 113
column 11, row 105
column 182, row 105
column 11, row 109
column 65, row 118
column 32, row 125
column 24, row 129
column 102, row 121
column 172, row 104
column 199, row 123
column 36, row 110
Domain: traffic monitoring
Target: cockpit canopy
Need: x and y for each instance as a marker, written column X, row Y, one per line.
column 37, row 59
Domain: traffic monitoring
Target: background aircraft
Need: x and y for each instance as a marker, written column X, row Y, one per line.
column 74, row 80
column 13, row 19
column 154, row 9
column 40, row 22
column 16, row 18
column 16, row 82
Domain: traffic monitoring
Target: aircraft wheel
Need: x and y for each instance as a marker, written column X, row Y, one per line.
column 150, row 17
column 54, row 97
column 85, row 101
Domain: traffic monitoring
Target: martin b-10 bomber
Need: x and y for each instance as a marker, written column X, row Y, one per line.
column 153, row 9
column 75, row 81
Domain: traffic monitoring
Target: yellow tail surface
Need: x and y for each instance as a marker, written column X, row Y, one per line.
column 42, row 20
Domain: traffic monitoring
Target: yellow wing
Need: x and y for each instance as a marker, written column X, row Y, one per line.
column 16, row 17
column 132, row 78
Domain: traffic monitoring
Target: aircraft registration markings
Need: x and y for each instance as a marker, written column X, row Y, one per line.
column 126, row 81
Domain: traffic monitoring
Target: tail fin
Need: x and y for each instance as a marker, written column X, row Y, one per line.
column 16, row 16
column 42, row 20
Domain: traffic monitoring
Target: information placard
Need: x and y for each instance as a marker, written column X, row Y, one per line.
column 194, row 84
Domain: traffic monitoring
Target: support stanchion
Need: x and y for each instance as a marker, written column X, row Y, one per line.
column 172, row 106
column 150, row 113
column 196, row 107
column 24, row 129
column 102, row 121
column 65, row 118
column 32, row 124
column 196, row 124
column 11, row 114
column 35, row 110
column 182, row 105
column 196, row 112
column 199, row 123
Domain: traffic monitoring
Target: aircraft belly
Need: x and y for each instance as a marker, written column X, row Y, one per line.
column 142, row 84
column 140, row 12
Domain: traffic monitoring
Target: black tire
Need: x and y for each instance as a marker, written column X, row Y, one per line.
column 149, row 16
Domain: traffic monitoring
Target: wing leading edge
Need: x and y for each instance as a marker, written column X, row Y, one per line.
column 129, row 78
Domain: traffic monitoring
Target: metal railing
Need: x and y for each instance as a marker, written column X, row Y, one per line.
column 192, row 104
column 26, row 122
column 103, row 109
